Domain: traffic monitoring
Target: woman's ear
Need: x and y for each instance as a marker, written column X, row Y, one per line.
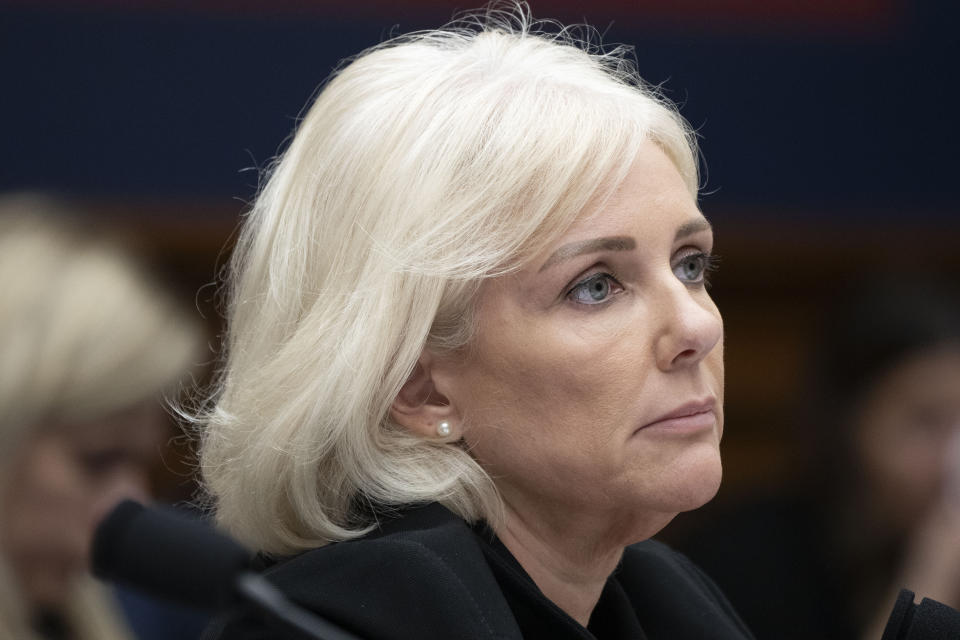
column 421, row 409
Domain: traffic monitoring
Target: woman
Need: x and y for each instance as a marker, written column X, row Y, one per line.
column 470, row 343
column 89, row 346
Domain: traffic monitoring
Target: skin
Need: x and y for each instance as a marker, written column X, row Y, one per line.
column 63, row 481
column 902, row 436
column 552, row 398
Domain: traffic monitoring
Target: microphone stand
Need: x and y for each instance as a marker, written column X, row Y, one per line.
column 180, row 559
column 273, row 605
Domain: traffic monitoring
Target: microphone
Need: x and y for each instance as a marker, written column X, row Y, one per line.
column 180, row 559
column 930, row 620
column 168, row 556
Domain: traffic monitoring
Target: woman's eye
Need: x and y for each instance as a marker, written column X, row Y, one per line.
column 100, row 462
column 595, row 290
column 693, row 268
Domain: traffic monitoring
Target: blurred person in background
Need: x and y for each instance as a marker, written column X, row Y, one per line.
column 877, row 505
column 89, row 347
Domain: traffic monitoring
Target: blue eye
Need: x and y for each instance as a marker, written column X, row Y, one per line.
column 693, row 267
column 596, row 289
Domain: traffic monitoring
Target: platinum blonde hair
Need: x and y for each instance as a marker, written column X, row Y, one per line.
column 85, row 332
column 84, row 335
column 426, row 165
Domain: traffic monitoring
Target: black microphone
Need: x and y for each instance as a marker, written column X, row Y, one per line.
column 930, row 620
column 180, row 559
column 168, row 556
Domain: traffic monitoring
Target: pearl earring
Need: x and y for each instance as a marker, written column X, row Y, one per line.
column 443, row 429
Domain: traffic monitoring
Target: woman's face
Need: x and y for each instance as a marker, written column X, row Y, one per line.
column 906, row 435
column 583, row 355
column 62, row 482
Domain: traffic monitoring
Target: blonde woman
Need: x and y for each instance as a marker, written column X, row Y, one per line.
column 472, row 364
column 88, row 348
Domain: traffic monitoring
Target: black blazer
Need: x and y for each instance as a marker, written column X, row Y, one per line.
column 428, row 576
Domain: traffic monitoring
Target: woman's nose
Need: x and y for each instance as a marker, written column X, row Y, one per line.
column 131, row 484
column 691, row 327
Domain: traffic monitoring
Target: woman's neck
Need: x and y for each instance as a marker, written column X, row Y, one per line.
column 569, row 563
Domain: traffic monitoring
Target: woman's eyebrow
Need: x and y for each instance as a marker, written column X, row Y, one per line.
column 610, row 243
column 693, row 226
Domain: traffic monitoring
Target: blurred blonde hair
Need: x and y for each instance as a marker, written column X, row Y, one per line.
column 84, row 334
column 427, row 164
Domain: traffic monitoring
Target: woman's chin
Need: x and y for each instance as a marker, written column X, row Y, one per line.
column 705, row 491
column 696, row 485
column 48, row 592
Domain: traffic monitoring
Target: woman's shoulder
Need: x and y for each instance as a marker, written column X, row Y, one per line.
column 421, row 574
column 428, row 535
column 677, row 599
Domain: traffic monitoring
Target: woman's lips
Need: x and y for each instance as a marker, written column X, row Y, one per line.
column 690, row 417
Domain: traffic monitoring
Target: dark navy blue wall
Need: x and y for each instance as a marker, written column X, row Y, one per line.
column 804, row 122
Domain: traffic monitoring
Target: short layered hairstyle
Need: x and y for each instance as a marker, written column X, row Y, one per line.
column 87, row 332
column 426, row 165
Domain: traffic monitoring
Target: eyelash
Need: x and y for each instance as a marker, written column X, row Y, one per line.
column 710, row 264
column 600, row 276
